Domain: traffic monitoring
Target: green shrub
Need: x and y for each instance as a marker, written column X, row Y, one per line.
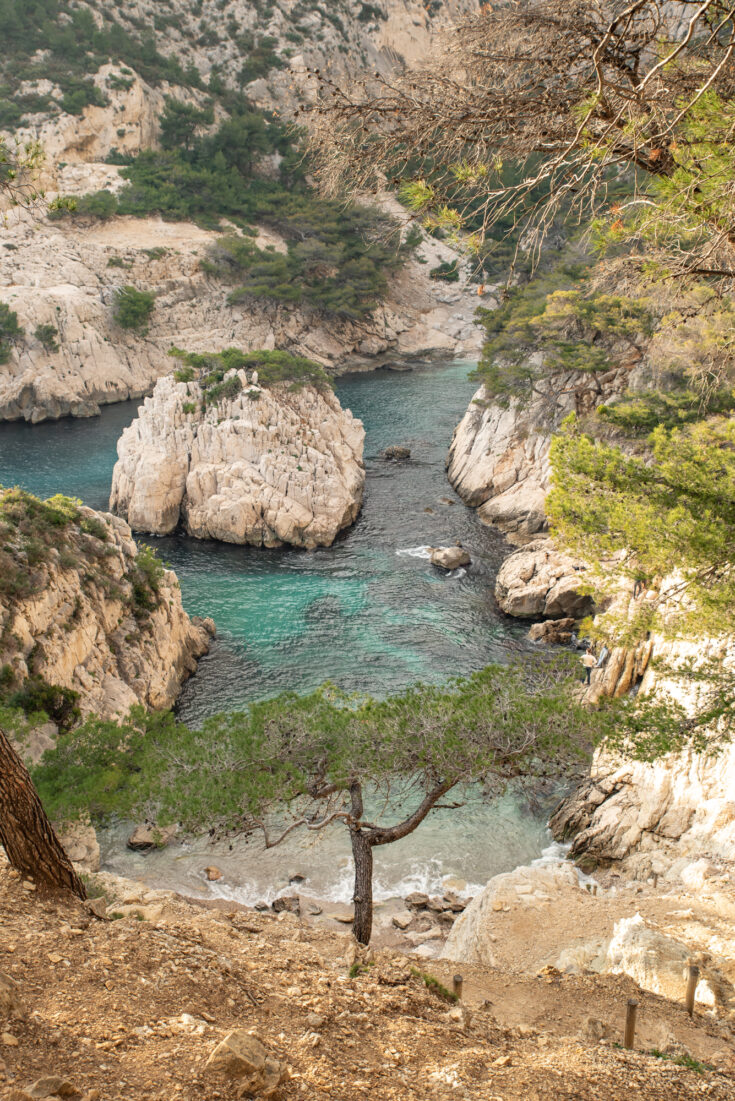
column 10, row 331
column 146, row 580
column 448, row 272
column 35, row 696
column 132, row 308
column 46, row 335
column 273, row 367
column 79, row 94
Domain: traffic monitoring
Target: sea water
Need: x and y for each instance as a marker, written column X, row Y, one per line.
column 371, row 614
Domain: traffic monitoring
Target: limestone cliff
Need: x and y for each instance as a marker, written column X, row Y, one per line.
column 669, row 811
column 91, row 614
column 64, row 277
column 265, row 467
column 499, row 457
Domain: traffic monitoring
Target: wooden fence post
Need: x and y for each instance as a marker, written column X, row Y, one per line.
column 630, row 1023
column 457, row 986
column 692, row 980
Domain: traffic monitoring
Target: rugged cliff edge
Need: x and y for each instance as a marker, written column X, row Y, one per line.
column 654, row 816
column 82, row 608
column 265, row 467
column 499, row 456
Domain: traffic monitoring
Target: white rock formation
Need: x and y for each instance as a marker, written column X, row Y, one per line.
column 499, row 457
column 79, row 629
column 474, row 932
column 538, row 580
column 267, row 467
column 656, row 961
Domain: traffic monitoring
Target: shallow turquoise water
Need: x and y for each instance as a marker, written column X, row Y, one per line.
column 363, row 613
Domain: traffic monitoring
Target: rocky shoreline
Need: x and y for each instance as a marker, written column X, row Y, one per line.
column 92, row 624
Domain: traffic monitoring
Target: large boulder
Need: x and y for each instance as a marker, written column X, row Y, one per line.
column 243, row 1056
column 266, row 467
column 539, row 582
column 450, row 558
column 474, row 932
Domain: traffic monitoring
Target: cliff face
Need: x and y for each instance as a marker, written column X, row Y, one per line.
column 65, row 276
column 499, row 457
column 266, row 467
column 101, row 620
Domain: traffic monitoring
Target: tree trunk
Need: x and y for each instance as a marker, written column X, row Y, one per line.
column 25, row 832
column 362, row 852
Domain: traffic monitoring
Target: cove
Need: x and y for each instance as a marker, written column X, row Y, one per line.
column 371, row 614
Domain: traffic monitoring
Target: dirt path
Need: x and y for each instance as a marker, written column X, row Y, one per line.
column 131, row 1009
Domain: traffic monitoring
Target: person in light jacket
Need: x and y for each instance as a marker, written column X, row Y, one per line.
column 589, row 661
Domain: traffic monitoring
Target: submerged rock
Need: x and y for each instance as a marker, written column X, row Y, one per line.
column 266, row 467
column 396, row 454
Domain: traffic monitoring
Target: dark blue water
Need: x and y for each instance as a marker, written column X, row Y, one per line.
column 364, row 613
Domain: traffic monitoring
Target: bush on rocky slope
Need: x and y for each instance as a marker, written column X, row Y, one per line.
column 272, row 366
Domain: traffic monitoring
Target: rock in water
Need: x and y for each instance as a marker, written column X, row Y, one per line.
column 396, row 454
column 450, row 558
column 265, row 467
column 145, row 838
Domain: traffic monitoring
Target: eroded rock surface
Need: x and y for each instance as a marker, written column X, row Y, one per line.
column 83, row 629
column 499, row 457
column 267, row 467
column 539, row 581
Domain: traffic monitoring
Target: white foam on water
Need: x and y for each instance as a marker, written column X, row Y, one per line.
column 415, row 552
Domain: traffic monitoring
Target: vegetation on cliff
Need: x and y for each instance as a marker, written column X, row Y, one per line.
column 37, row 538
column 209, row 370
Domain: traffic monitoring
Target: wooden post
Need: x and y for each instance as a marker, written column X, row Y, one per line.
column 692, row 980
column 457, row 986
column 655, row 880
column 630, row 1023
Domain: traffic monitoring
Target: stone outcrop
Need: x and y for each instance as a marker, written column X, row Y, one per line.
column 267, row 467
column 83, row 629
column 499, row 457
column 656, row 961
column 474, row 932
column 450, row 558
column 654, row 815
column 538, row 581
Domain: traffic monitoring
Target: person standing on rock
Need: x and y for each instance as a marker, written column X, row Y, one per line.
column 589, row 661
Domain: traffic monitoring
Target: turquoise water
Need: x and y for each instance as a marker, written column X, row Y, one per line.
column 369, row 613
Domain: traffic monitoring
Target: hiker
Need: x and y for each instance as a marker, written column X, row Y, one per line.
column 589, row 661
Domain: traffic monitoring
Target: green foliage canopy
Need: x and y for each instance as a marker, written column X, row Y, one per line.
column 672, row 509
